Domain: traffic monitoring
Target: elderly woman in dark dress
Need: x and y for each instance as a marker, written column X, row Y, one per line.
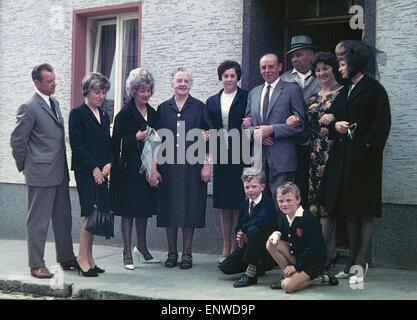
column 182, row 193
column 227, row 109
column 352, row 181
column 132, row 196
column 89, row 133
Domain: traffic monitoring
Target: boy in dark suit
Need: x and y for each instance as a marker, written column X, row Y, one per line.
column 298, row 246
column 257, row 219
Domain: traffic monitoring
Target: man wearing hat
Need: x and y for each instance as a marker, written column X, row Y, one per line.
column 302, row 52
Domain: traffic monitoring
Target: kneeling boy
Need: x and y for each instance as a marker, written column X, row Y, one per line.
column 257, row 219
column 298, row 247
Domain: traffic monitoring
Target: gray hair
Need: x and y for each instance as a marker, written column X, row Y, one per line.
column 139, row 77
column 181, row 69
column 94, row 81
column 252, row 173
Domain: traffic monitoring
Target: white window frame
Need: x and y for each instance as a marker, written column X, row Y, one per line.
column 118, row 20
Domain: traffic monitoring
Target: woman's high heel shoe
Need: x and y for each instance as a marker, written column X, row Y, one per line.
column 98, row 270
column 128, row 266
column 89, row 273
column 149, row 256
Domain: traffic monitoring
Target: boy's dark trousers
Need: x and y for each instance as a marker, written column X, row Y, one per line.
column 253, row 252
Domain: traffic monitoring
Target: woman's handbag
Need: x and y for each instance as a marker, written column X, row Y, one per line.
column 101, row 222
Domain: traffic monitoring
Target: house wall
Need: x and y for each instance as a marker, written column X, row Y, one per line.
column 196, row 34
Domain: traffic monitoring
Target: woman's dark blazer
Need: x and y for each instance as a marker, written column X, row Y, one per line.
column 90, row 145
column 130, row 192
column 352, row 178
column 227, row 187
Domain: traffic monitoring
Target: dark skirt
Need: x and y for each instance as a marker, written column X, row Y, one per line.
column 131, row 195
column 228, row 190
column 90, row 193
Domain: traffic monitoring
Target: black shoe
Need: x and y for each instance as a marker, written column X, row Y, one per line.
column 186, row 263
column 89, row 273
column 245, row 281
column 277, row 284
column 98, row 270
column 172, row 260
column 69, row 265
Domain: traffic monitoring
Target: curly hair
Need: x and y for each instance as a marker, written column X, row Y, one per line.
column 328, row 58
column 228, row 64
column 139, row 77
column 356, row 54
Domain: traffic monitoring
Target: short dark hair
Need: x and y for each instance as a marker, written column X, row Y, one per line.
column 228, row 64
column 356, row 54
column 328, row 58
column 37, row 71
column 94, row 80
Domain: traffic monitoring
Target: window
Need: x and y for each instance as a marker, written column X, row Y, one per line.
column 113, row 51
column 106, row 40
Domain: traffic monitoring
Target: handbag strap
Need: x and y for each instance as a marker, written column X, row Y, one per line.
column 97, row 189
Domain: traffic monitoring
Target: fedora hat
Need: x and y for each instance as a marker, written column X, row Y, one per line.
column 301, row 42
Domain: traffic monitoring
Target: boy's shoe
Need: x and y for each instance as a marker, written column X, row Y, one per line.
column 245, row 281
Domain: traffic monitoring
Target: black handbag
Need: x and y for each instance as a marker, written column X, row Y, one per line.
column 101, row 222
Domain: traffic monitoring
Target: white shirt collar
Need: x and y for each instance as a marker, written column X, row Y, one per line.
column 44, row 97
column 273, row 84
column 298, row 213
column 257, row 200
column 301, row 75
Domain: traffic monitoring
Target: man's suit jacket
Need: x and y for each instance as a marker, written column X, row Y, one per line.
column 286, row 100
column 38, row 143
column 264, row 216
column 311, row 86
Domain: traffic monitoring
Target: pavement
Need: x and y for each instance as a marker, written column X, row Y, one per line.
column 203, row 282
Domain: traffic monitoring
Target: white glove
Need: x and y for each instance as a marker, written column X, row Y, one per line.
column 275, row 237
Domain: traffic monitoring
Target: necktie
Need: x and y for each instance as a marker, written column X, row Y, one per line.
column 265, row 103
column 251, row 205
column 53, row 107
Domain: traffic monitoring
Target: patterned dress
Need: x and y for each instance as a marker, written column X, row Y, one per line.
column 319, row 148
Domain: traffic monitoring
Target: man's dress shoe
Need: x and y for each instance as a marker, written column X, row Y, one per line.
column 41, row 273
column 245, row 281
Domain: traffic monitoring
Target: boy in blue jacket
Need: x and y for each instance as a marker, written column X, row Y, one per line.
column 298, row 246
column 257, row 219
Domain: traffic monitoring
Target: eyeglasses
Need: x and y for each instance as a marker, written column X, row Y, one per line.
column 351, row 130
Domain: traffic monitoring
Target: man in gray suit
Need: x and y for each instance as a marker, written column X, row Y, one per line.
column 38, row 146
column 269, row 105
column 302, row 52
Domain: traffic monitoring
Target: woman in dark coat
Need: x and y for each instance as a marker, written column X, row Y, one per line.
column 354, row 171
column 226, row 110
column 182, row 193
column 89, row 133
column 131, row 195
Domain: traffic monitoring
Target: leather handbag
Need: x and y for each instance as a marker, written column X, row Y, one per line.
column 101, row 221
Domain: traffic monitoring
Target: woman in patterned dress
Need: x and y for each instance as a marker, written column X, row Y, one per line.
column 325, row 68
